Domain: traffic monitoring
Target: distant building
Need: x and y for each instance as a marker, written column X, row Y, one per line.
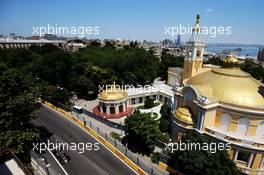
column 178, row 42
column 174, row 75
column 167, row 43
column 261, row 55
column 6, row 43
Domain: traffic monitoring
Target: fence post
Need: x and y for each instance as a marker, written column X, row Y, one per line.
column 98, row 130
column 90, row 124
column 125, row 151
column 105, row 136
column 115, row 143
column 137, row 160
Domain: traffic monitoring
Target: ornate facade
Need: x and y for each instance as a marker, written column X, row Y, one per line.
column 226, row 104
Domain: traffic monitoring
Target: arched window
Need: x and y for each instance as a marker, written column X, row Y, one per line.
column 242, row 126
column 225, row 121
column 189, row 93
column 260, row 130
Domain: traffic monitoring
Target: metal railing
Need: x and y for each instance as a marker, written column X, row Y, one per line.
column 40, row 164
column 119, row 146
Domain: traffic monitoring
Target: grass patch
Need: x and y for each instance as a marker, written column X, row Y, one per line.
column 116, row 136
column 143, row 107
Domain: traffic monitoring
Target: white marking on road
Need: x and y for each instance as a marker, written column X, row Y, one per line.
column 57, row 162
column 93, row 137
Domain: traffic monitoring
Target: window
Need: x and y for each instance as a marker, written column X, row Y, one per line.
column 112, row 110
column 260, row 130
column 190, row 52
column 160, row 98
column 121, row 108
column 133, row 101
column 104, row 109
column 242, row 126
column 243, row 156
column 198, row 53
column 140, row 99
column 225, row 121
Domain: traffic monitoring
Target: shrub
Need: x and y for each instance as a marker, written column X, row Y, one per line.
column 149, row 103
column 164, row 125
column 155, row 157
column 116, row 136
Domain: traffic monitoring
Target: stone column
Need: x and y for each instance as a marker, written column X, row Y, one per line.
column 200, row 120
column 107, row 109
column 124, row 108
column 235, row 157
column 250, row 160
column 116, row 109
column 252, row 127
column 257, row 160
column 194, row 51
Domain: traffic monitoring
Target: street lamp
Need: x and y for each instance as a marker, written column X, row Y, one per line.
column 121, row 128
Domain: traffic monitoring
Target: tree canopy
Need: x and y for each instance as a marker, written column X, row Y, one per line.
column 18, row 103
column 141, row 132
column 200, row 162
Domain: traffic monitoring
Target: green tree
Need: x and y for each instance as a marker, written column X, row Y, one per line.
column 200, row 162
column 256, row 70
column 215, row 61
column 57, row 95
column 18, row 103
column 165, row 111
column 168, row 60
column 164, row 125
column 54, row 67
column 149, row 103
column 164, row 120
column 141, row 132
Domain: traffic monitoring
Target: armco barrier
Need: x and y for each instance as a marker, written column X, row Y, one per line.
column 169, row 169
column 98, row 137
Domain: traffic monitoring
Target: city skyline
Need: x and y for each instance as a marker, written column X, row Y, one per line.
column 137, row 21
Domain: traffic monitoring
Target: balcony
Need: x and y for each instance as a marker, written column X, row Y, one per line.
column 236, row 138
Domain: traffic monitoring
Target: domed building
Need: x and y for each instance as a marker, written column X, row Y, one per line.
column 231, row 59
column 113, row 103
column 225, row 104
column 117, row 102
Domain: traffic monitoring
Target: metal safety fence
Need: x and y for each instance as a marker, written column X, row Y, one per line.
column 147, row 167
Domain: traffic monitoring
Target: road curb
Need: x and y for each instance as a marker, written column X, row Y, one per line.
column 119, row 154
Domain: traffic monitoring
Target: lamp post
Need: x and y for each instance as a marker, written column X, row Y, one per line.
column 121, row 128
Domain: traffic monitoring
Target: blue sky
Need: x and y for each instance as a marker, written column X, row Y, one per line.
column 137, row 19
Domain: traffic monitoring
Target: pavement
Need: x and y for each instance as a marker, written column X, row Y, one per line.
column 155, row 109
column 107, row 129
column 100, row 162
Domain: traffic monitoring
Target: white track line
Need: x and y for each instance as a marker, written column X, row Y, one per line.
column 58, row 162
column 94, row 138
